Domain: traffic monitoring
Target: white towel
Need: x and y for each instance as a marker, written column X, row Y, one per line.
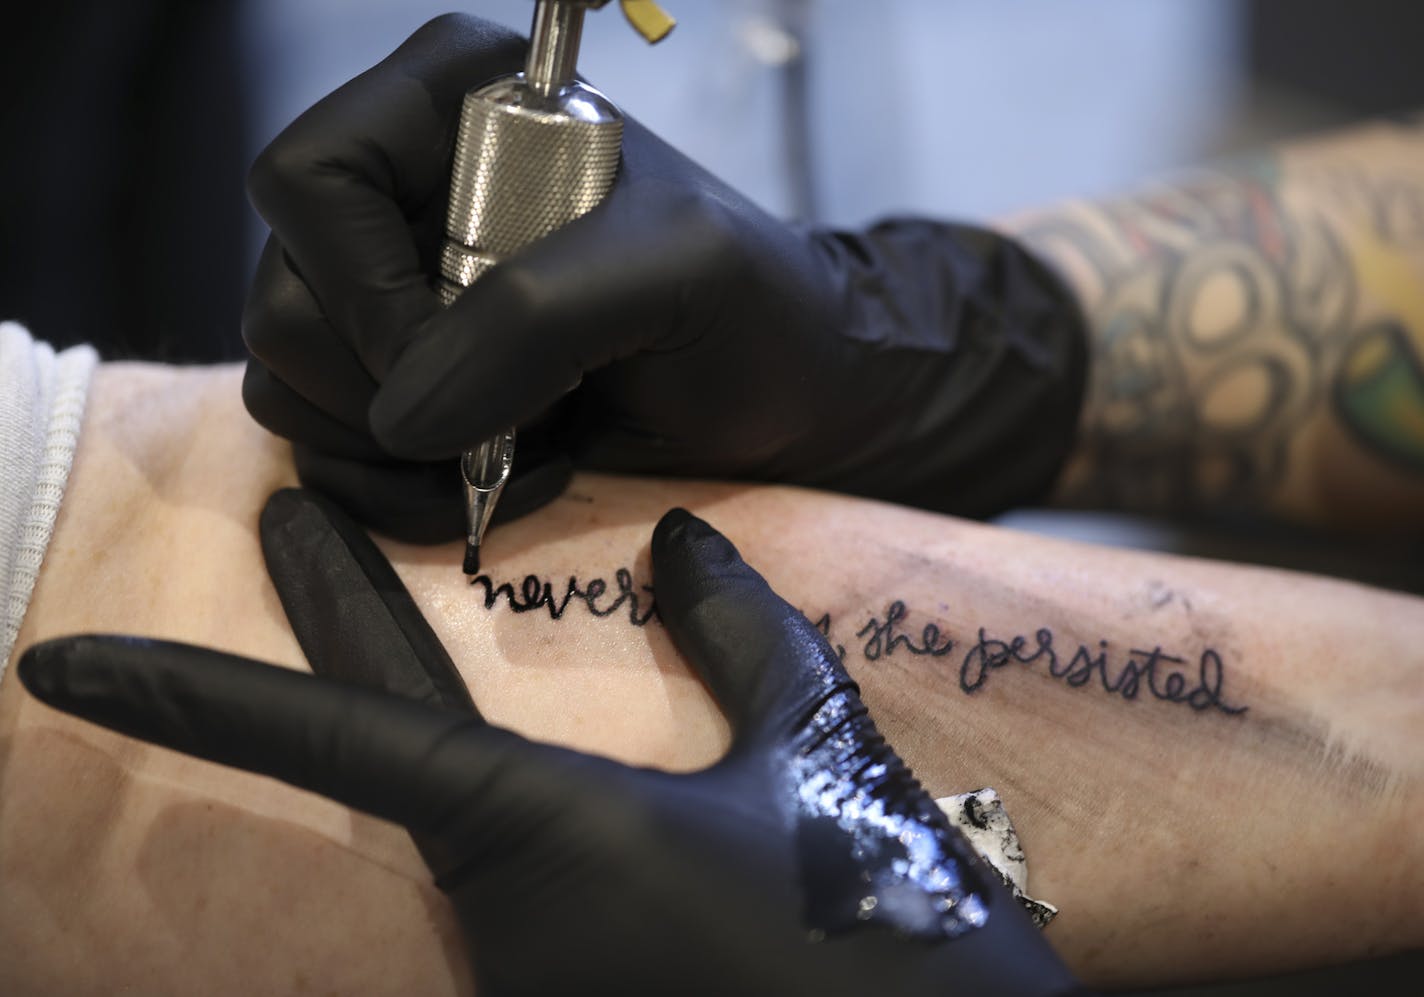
column 41, row 407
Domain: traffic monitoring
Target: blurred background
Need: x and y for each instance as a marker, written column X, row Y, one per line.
column 128, row 127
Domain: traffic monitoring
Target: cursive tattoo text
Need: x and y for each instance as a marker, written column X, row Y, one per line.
column 596, row 596
column 1156, row 673
column 1196, row 682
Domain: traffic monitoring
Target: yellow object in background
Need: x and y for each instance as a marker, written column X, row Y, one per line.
column 648, row 19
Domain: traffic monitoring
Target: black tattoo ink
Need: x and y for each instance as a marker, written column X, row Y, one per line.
column 535, row 593
column 882, row 638
column 1159, row 674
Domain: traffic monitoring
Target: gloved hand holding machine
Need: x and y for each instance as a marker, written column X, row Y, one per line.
column 534, row 151
column 703, row 338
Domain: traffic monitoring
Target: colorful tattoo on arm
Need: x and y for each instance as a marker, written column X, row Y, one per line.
column 1235, row 308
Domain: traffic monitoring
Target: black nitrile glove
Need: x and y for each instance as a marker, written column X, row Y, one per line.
column 932, row 364
column 808, row 861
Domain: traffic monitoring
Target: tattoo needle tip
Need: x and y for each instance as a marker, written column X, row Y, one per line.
column 472, row 558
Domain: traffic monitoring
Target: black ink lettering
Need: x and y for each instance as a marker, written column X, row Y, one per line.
column 1163, row 676
column 882, row 638
column 1207, row 694
column 1155, row 671
column 536, row 593
column 983, row 657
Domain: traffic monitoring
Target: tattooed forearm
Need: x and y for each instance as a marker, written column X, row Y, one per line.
column 1256, row 332
column 1157, row 673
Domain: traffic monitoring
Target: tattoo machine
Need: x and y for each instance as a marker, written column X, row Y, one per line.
column 535, row 150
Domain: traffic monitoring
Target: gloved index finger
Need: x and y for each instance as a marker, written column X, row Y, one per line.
column 764, row 661
column 341, row 184
column 380, row 754
column 351, row 614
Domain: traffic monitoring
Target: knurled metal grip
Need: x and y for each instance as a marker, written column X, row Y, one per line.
column 525, row 164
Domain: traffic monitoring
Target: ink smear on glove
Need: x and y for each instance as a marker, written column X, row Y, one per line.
column 875, row 848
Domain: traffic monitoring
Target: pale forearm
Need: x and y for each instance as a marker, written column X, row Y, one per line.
column 1180, row 836
column 1171, row 822
column 1257, row 330
column 1188, row 827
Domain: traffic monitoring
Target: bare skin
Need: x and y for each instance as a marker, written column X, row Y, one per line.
column 1180, row 842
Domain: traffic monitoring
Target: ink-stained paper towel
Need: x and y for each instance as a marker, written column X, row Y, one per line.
column 985, row 822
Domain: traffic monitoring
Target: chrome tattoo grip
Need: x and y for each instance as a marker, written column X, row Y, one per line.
column 525, row 164
column 534, row 151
